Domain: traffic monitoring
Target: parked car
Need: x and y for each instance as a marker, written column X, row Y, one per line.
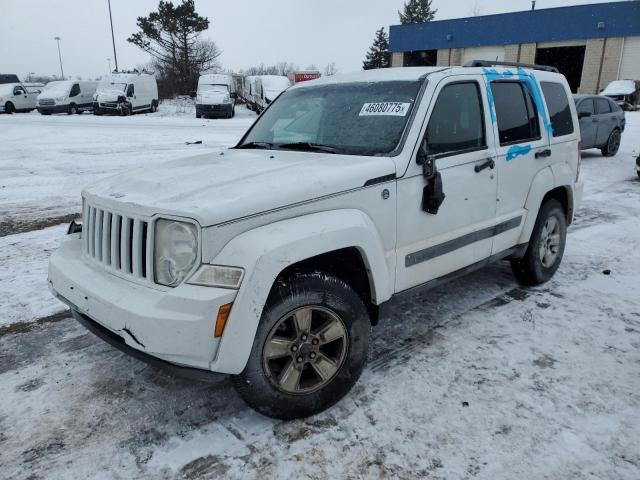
column 17, row 97
column 626, row 93
column 66, row 96
column 216, row 96
column 601, row 123
column 250, row 91
column 272, row 261
column 303, row 76
column 638, row 164
column 267, row 89
column 126, row 93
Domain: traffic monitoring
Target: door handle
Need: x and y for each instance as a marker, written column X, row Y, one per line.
column 543, row 153
column 488, row 163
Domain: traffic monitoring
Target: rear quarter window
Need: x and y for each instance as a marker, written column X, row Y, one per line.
column 558, row 105
column 603, row 105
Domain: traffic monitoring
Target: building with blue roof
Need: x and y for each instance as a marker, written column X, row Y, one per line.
column 592, row 45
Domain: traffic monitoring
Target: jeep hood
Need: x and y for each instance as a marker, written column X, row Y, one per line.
column 223, row 186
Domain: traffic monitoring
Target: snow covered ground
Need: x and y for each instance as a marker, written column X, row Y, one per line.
column 481, row 378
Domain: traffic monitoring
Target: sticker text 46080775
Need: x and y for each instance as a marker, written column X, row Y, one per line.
column 395, row 109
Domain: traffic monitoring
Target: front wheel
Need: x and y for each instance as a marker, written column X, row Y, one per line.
column 154, row 107
column 73, row 109
column 9, row 108
column 310, row 347
column 613, row 144
column 546, row 246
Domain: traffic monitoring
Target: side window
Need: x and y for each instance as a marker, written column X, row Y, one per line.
column 18, row 91
column 457, row 122
column 130, row 90
column 603, row 105
column 586, row 106
column 558, row 106
column 75, row 90
column 516, row 113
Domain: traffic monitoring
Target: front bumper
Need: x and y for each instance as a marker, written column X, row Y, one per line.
column 214, row 110
column 53, row 108
column 172, row 324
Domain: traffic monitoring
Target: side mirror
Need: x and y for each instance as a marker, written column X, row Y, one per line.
column 582, row 115
column 234, row 95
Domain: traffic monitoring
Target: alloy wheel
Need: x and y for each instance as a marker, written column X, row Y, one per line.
column 305, row 350
column 549, row 242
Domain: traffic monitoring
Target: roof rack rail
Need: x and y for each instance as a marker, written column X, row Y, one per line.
column 489, row 63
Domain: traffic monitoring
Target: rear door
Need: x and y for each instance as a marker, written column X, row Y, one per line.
column 460, row 234
column 588, row 123
column 523, row 146
column 606, row 120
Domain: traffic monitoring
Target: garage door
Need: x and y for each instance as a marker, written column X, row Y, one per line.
column 483, row 53
column 630, row 64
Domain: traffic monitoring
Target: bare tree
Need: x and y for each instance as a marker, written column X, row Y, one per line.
column 476, row 11
column 330, row 69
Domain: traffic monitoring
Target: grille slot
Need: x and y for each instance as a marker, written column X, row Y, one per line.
column 117, row 242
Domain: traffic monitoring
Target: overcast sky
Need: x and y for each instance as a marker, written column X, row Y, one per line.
column 248, row 32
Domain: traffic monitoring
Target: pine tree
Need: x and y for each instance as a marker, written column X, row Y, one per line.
column 378, row 54
column 417, row 11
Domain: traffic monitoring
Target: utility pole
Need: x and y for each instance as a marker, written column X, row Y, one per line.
column 57, row 39
column 533, row 4
column 113, row 40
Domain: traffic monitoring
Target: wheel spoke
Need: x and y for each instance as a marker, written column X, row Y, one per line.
column 324, row 367
column 290, row 378
column 302, row 320
column 552, row 223
column 548, row 259
column 277, row 347
column 331, row 331
column 554, row 240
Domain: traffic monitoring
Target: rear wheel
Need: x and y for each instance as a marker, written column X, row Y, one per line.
column 613, row 144
column 9, row 108
column 73, row 109
column 310, row 347
column 154, row 106
column 546, row 246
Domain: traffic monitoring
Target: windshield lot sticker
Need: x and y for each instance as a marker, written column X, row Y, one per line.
column 393, row 109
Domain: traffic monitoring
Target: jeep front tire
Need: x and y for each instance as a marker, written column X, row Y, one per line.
column 310, row 347
column 546, row 246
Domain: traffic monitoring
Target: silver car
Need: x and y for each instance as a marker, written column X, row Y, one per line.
column 602, row 122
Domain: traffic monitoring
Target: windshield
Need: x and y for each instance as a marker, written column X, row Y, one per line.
column 110, row 87
column 351, row 118
column 217, row 88
column 57, row 88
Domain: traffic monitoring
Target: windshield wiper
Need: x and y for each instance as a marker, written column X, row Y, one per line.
column 258, row 145
column 310, row 147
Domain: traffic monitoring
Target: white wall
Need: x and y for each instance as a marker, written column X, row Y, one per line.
column 630, row 61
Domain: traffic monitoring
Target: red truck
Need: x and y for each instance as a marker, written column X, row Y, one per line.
column 303, row 76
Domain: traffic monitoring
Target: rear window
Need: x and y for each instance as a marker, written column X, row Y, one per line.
column 603, row 105
column 516, row 113
column 558, row 106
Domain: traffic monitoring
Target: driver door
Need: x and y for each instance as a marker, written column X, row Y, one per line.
column 460, row 233
column 20, row 98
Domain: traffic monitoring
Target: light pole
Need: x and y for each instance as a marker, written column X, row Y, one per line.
column 113, row 40
column 57, row 39
column 109, row 60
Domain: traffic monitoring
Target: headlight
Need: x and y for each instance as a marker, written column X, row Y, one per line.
column 175, row 251
column 217, row 276
column 227, row 99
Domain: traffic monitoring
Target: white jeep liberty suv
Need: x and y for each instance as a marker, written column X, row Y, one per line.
column 270, row 261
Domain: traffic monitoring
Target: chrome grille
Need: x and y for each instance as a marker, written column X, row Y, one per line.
column 117, row 241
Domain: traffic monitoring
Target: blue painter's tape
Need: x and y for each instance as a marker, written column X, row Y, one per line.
column 517, row 150
column 529, row 80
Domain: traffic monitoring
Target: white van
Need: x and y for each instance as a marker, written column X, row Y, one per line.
column 249, row 91
column 126, row 93
column 216, row 96
column 66, row 96
column 269, row 87
column 18, row 97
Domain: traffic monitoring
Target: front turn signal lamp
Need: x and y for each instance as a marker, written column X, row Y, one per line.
column 221, row 321
column 217, row 276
